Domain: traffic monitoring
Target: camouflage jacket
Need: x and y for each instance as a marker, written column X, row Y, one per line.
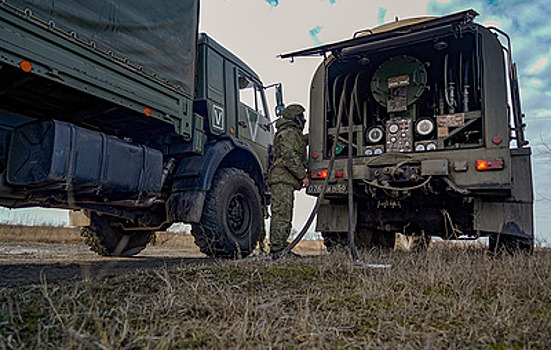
column 288, row 155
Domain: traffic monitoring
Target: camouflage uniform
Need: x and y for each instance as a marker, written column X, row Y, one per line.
column 286, row 173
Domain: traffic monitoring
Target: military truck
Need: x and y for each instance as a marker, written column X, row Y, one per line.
column 127, row 113
column 427, row 113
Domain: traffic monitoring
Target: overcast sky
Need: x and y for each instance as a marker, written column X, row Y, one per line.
column 259, row 30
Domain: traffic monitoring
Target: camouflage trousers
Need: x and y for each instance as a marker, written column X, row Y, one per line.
column 283, row 197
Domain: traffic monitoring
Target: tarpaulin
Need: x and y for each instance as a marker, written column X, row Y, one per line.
column 160, row 36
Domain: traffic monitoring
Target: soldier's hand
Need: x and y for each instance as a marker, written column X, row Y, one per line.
column 305, row 182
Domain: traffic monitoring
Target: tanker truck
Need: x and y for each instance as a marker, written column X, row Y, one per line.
column 423, row 115
column 126, row 112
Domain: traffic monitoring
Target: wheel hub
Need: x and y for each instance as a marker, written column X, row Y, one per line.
column 238, row 214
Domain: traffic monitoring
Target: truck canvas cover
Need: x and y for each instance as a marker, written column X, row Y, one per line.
column 159, row 36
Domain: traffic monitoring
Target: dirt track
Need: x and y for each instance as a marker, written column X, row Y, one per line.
column 23, row 261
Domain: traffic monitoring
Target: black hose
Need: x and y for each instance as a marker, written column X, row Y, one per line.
column 306, row 226
column 351, row 243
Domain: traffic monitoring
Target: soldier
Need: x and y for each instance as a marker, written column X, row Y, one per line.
column 286, row 174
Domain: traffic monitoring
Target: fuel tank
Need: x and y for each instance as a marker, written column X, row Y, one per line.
column 54, row 155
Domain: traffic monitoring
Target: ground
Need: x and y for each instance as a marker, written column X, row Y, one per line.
column 28, row 254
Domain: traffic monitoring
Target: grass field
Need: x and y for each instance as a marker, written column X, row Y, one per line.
column 448, row 297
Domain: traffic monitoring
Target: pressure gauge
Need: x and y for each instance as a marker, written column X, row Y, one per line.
column 420, row 147
column 368, row 152
column 374, row 134
column 378, row 151
column 431, row 146
column 393, row 128
column 424, row 127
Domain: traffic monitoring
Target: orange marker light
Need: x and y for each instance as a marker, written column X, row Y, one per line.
column 26, row 66
column 489, row 164
column 320, row 174
column 481, row 165
column 232, row 130
column 147, row 112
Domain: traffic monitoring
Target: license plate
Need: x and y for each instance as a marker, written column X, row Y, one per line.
column 334, row 188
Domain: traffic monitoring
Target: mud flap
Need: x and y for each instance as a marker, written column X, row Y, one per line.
column 333, row 217
column 507, row 218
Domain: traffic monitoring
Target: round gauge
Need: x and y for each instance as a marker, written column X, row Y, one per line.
column 368, row 152
column 424, row 126
column 393, row 128
column 374, row 134
column 431, row 146
column 420, row 147
column 378, row 151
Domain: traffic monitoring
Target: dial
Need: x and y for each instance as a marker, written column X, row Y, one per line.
column 374, row 134
column 424, row 127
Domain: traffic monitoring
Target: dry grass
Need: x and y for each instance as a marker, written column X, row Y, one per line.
column 445, row 298
column 39, row 234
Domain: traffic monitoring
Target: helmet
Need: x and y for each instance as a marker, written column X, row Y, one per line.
column 292, row 111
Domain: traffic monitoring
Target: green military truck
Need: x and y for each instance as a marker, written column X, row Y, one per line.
column 125, row 112
column 427, row 111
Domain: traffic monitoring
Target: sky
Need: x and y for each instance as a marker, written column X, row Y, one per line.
column 259, row 30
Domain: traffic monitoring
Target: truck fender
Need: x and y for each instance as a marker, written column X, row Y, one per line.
column 194, row 175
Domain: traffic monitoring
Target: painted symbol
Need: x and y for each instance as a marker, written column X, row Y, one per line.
column 252, row 118
column 218, row 118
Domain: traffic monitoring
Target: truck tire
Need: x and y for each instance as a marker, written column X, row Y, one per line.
column 334, row 241
column 339, row 240
column 232, row 216
column 506, row 244
column 107, row 239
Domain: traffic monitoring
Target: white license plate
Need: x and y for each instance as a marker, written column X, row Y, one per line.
column 334, row 188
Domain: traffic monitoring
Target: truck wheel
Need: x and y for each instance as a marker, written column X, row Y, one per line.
column 107, row 239
column 339, row 240
column 383, row 239
column 232, row 216
column 506, row 244
column 334, row 241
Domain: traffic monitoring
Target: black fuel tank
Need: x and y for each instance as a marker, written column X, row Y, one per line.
column 56, row 154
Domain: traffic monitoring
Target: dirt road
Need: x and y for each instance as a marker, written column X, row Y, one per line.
column 31, row 255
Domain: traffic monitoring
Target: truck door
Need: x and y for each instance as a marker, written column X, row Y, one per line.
column 252, row 118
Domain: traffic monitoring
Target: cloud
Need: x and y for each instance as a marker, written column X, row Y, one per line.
column 314, row 35
column 273, row 3
column 538, row 66
column 381, row 15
